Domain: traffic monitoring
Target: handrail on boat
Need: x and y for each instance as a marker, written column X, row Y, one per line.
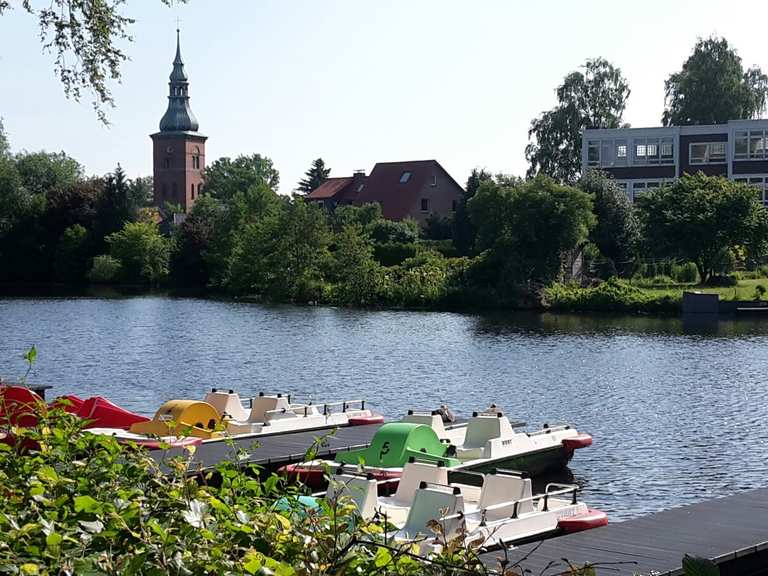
column 549, row 429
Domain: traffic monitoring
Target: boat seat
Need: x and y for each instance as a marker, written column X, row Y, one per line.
column 228, row 403
column 362, row 491
column 500, row 488
column 414, row 473
column 434, row 421
column 433, row 503
column 264, row 403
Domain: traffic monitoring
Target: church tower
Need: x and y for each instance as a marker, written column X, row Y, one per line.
column 178, row 149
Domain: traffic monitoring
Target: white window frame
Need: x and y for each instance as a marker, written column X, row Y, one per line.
column 708, row 153
column 749, row 135
column 762, row 185
column 594, row 144
column 652, row 151
column 405, row 177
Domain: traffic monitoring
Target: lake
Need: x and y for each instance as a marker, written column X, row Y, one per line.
column 679, row 413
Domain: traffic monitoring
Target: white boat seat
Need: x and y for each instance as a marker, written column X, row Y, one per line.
column 414, row 473
column 482, row 428
column 433, row 420
column 264, row 403
column 363, row 492
column 433, row 503
column 228, row 403
column 500, row 488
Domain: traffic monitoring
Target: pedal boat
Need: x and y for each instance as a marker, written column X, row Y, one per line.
column 502, row 510
column 485, row 442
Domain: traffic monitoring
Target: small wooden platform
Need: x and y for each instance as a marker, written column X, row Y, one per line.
column 731, row 531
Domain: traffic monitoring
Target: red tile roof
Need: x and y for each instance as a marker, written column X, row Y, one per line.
column 397, row 199
column 329, row 189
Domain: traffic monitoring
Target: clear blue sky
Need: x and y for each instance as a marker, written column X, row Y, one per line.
column 361, row 81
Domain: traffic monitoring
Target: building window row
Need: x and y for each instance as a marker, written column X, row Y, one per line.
column 750, row 145
column 615, row 152
column 706, row 153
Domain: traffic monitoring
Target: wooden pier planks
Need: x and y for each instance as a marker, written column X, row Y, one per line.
column 715, row 529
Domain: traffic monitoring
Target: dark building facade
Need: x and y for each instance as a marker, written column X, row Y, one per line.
column 178, row 148
column 642, row 158
column 415, row 189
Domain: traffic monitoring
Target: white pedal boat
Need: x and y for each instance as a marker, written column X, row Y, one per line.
column 486, row 441
column 501, row 511
column 275, row 413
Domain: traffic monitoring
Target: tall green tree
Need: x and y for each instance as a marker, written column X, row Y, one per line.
column 463, row 230
column 712, row 87
column 527, row 230
column 316, row 175
column 87, row 39
column 42, row 172
column 142, row 252
column 115, row 207
column 225, row 177
column 594, row 97
column 5, row 146
column 356, row 273
column 189, row 265
column 699, row 218
column 616, row 232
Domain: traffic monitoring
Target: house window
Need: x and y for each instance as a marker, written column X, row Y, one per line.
column 667, row 150
column 404, row 177
column 760, row 183
column 707, row 152
column 640, row 151
column 434, row 179
column 360, row 188
column 593, row 153
column 641, row 187
column 750, row 145
column 621, row 150
column 654, row 151
column 425, row 204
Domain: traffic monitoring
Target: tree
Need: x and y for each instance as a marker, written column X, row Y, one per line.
column 193, row 239
column 356, row 273
column 316, row 175
column 72, row 255
column 700, row 218
column 142, row 251
column 527, row 230
column 616, row 233
column 86, row 38
column 594, row 98
column 42, row 172
column 712, row 87
column 463, row 230
column 115, row 207
column 140, row 192
column 13, row 198
column 5, row 146
column 225, row 176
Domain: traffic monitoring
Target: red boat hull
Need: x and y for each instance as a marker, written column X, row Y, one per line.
column 19, row 406
column 101, row 413
column 580, row 522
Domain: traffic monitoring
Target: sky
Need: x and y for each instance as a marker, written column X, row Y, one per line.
column 360, row 81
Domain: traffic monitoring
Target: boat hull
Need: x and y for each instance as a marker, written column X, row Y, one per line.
column 535, row 463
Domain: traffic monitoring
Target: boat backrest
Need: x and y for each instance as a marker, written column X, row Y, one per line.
column 434, row 503
column 485, row 427
column 363, row 492
column 414, row 473
column 434, row 421
column 498, row 488
column 228, row 403
column 264, row 403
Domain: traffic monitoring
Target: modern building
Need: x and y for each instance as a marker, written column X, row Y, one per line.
column 415, row 189
column 178, row 148
column 643, row 158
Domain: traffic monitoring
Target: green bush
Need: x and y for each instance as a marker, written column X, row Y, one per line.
column 760, row 291
column 78, row 503
column 105, row 270
column 394, row 253
column 685, row 273
column 614, row 295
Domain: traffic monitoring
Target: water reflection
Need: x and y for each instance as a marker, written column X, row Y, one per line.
column 678, row 412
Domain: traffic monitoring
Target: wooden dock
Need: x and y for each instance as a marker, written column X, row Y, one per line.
column 274, row 451
column 731, row 531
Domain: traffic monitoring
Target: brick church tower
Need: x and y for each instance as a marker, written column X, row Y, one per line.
column 178, row 149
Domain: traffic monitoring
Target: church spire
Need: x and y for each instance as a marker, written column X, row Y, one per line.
column 178, row 117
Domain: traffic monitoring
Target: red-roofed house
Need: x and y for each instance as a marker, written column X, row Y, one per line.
column 402, row 189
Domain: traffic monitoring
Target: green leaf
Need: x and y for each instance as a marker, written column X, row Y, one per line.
column 382, row 558
column 85, row 503
column 31, row 355
column 695, row 566
column 53, row 540
column 29, row 569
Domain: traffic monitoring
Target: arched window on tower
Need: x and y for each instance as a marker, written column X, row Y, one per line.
column 196, row 158
column 167, row 162
column 192, row 187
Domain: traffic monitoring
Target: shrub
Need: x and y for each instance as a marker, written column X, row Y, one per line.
column 394, row 253
column 614, row 295
column 685, row 273
column 760, row 291
column 720, row 280
column 105, row 270
column 78, row 503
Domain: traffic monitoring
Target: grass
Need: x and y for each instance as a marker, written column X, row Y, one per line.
column 744, row 290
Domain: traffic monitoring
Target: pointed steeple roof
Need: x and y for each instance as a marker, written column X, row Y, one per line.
column 178, row 117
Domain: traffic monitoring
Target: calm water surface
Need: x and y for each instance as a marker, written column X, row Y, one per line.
column 678, row 412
